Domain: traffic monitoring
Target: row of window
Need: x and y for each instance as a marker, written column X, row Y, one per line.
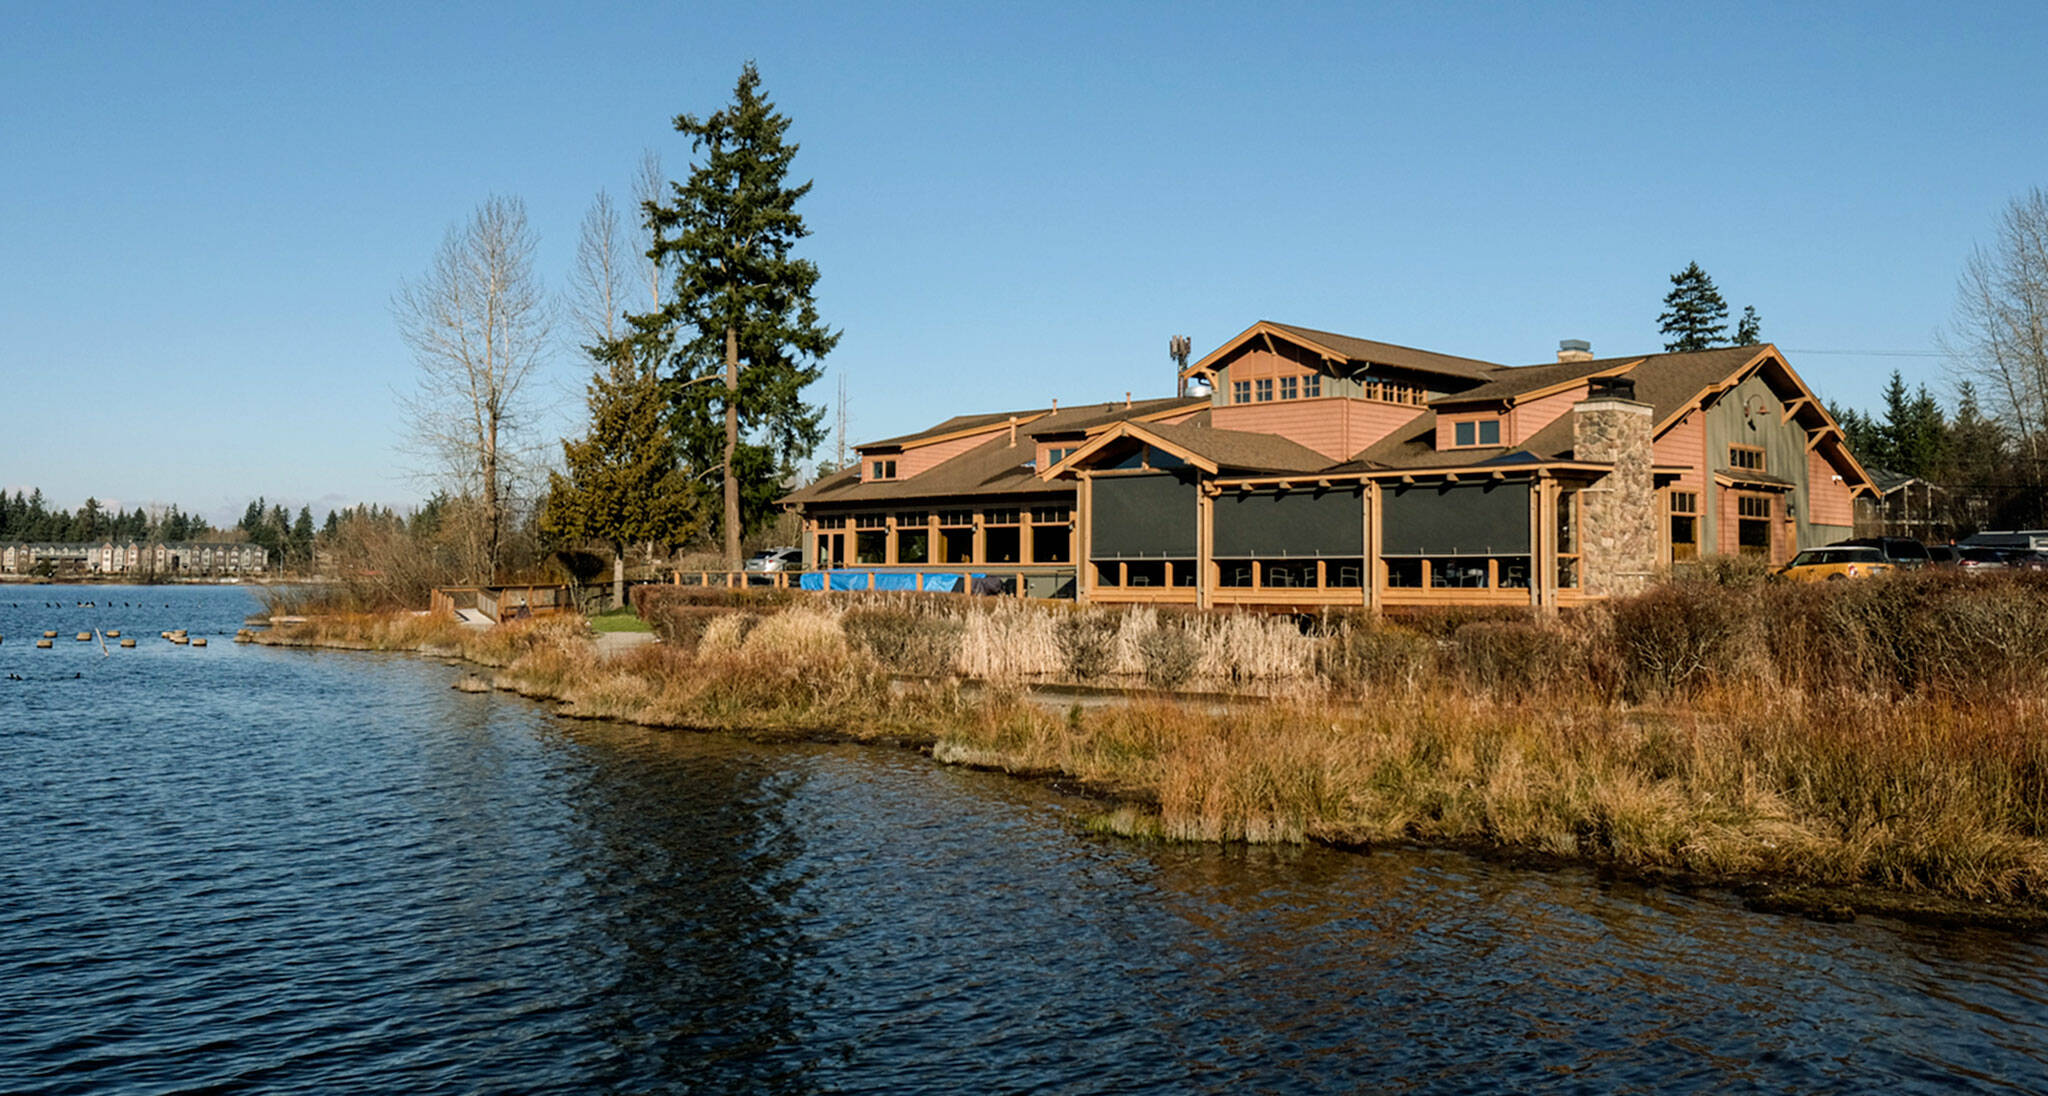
column 1005, row 545
column 1264, row 389
column 1403, row 572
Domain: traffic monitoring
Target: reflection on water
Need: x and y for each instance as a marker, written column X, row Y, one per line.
column 296, row 872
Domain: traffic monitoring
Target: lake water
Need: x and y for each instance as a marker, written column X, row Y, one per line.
column 250, row 870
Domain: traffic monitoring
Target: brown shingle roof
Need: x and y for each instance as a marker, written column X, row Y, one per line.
column 1509, row 381
column 1043, row 420
column 1405, row 357
column 1667, row 382
column 995, row 467
column 1242, row 450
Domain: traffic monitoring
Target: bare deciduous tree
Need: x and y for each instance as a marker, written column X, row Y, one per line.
column 477, row 323
column 598, row 285
column 648, row 187
column 2000, row 336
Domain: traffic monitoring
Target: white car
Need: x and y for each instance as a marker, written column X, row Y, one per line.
column 776, row 559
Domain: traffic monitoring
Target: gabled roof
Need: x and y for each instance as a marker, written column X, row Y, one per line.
column 1204, row 447
column 1352, row 351
column 1039, row 420
column 1512, row 384
column 995, row 467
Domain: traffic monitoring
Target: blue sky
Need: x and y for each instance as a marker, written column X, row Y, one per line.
column 205, row 210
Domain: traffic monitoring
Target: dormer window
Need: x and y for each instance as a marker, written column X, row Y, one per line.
column 882, row 470
column 1240, row 391
column 1290, row 388
column 1265, row 389
column 1474, row 433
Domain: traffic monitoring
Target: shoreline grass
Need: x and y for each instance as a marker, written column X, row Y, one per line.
column 1888, row 742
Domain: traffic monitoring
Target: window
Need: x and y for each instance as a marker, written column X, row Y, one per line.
column 1047, row 515
column 1747, row 457
column 1240, row 391
column 837, row 521
column 1685, row 525
column 1051, row 543
column 870, row 521
column 1753, row 525
column 956, row 518
column 1055, row 455
column 1265, row 386
column 1472, row 432
column 1568, row 540
column 882, row 470
column 1001, row 544
column 1312, row 386
column 1290, row 388
column 1000, row 517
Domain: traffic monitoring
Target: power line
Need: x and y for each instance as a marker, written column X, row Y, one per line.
column 1875, row 353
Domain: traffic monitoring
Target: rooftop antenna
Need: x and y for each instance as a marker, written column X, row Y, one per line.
column 1178, row 348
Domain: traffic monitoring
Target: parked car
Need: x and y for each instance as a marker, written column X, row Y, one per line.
column 1897, row 551
column 776, row 559
column 1978, row 559
column 1835, row 562
column 2028, row 561
column 1942, row 555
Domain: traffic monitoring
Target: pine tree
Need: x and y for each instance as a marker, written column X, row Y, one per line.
column 1749, row 328
column 742, row 301
column 1695, row 316
column 623, row 484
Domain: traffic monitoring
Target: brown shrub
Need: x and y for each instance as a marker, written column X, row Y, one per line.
column 906, row 639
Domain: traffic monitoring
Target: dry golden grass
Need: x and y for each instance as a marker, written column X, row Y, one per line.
column 1507, row 734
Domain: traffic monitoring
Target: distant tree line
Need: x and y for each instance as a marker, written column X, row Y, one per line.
column 30, row 518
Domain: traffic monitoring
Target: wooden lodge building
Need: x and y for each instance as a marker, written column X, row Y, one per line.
column 1320, row 469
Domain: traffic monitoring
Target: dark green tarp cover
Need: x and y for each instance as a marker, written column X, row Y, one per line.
column 1293, row 523
column 1458, row 519
column 1143, row 517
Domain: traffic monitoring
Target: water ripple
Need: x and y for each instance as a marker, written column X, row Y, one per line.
column 265, row 871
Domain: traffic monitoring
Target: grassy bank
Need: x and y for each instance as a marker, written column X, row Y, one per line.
column 1890, row 736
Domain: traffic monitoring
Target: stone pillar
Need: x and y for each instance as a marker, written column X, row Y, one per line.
column 1618, row 515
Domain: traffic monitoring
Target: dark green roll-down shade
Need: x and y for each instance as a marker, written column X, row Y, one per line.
column 1458, row 519
column 1293, row 523
column 1138, row 517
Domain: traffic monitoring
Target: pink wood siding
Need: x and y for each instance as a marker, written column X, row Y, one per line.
column 1321, row 425
column 924, row 458
column 1371, row 420
column 1530, row 417
column 1336, row 428
column 1685, row 444
column 1827, row 502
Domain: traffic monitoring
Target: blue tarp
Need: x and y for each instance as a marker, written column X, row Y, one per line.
column 883, row 580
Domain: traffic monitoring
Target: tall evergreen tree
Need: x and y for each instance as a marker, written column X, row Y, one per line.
column 741, row 300
column 1749, row 329
column 1694, row 314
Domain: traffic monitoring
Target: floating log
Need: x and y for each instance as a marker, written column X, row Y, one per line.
column 199, row 643
column 49, row 635
column 43, row 643
column 85, row 637
column 115, row 634
column 179, row 640
column 127, row 643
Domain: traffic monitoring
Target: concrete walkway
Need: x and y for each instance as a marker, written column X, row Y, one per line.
column 612, row 643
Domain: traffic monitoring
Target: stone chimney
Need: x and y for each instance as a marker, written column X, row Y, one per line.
column 1618, row 515
column 1574, row 350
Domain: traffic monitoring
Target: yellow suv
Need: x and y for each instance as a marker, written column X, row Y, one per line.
column 1830, row 564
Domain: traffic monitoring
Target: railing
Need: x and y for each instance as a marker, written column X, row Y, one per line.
column 502, row 603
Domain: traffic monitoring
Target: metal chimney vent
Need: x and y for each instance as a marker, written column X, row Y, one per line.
column 1611, row 388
